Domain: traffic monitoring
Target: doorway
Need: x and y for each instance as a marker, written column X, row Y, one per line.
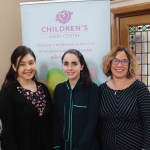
column 130, row 27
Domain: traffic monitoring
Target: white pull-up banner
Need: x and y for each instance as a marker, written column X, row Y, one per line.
column 52, row 27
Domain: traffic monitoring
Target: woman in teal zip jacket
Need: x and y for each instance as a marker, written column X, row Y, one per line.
column 75, row 108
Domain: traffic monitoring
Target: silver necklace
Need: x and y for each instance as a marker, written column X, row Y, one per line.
column 115, row 92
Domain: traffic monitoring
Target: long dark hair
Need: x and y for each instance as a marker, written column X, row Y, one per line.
column 84, row 74
column 12, row 75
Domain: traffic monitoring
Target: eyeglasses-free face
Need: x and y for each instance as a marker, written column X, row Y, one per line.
column 72, row 67
column 116, row 61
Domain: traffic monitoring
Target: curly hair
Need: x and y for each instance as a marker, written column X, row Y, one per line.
column 106, row 63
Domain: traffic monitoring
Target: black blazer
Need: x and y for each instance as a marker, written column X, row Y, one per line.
column 75, row 117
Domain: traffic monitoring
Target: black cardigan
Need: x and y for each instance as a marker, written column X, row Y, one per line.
column 75, row 117
column 23, row 128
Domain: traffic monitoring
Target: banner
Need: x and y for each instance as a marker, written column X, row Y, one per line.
column 50, row 28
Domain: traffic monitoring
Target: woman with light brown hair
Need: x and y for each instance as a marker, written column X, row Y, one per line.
column 124, row 104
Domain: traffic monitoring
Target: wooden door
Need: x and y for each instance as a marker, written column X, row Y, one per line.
column 135, row 35
column 127, row 22
column 130, row 27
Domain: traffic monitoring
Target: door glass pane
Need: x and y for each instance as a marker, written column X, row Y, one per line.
column 138, row 47
column 144, row 36
column 149, row 47
column 144, row 47
column 144, row 69
column 138, row 37
column 144, row 79
column 144, row 58
column 138, row 58
column 149, row 70
column 139, row 70
column 148, row 35
column 149, row 81
column 139, row 41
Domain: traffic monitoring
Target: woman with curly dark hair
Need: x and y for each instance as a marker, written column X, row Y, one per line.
column 124, row 104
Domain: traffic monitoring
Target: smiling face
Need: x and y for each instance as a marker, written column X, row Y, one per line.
column 119, row 70
column 27, row 68
column 72, row 67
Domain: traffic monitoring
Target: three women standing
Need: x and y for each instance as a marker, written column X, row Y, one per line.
column 76, row 104
column 25, row 105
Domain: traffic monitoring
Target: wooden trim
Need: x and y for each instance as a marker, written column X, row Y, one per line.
column 114, row 30
column 131, row 9
column 126, row 11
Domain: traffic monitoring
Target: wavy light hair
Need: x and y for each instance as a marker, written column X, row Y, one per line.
column 106, row 63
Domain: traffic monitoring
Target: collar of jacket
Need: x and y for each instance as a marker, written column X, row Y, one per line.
column 79, row 82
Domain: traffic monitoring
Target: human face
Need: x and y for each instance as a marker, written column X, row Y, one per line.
column 72, row 67
column 119, row 70
column 26, row 68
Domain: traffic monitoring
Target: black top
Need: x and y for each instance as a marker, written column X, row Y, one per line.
column 125, row 117
column 75, row 117
column 25, row 118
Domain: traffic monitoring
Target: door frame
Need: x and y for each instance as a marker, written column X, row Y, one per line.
column 126, row 11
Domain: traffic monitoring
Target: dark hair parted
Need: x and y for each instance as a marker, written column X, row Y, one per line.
column 106, row 64
column 84, row 74
column 16, row 58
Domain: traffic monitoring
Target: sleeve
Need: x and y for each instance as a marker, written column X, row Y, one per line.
column 89, row 131
column 7, row 116
column 144, row 109
column 56, row 133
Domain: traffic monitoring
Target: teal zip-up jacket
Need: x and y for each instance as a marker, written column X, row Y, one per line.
column 75, row 115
